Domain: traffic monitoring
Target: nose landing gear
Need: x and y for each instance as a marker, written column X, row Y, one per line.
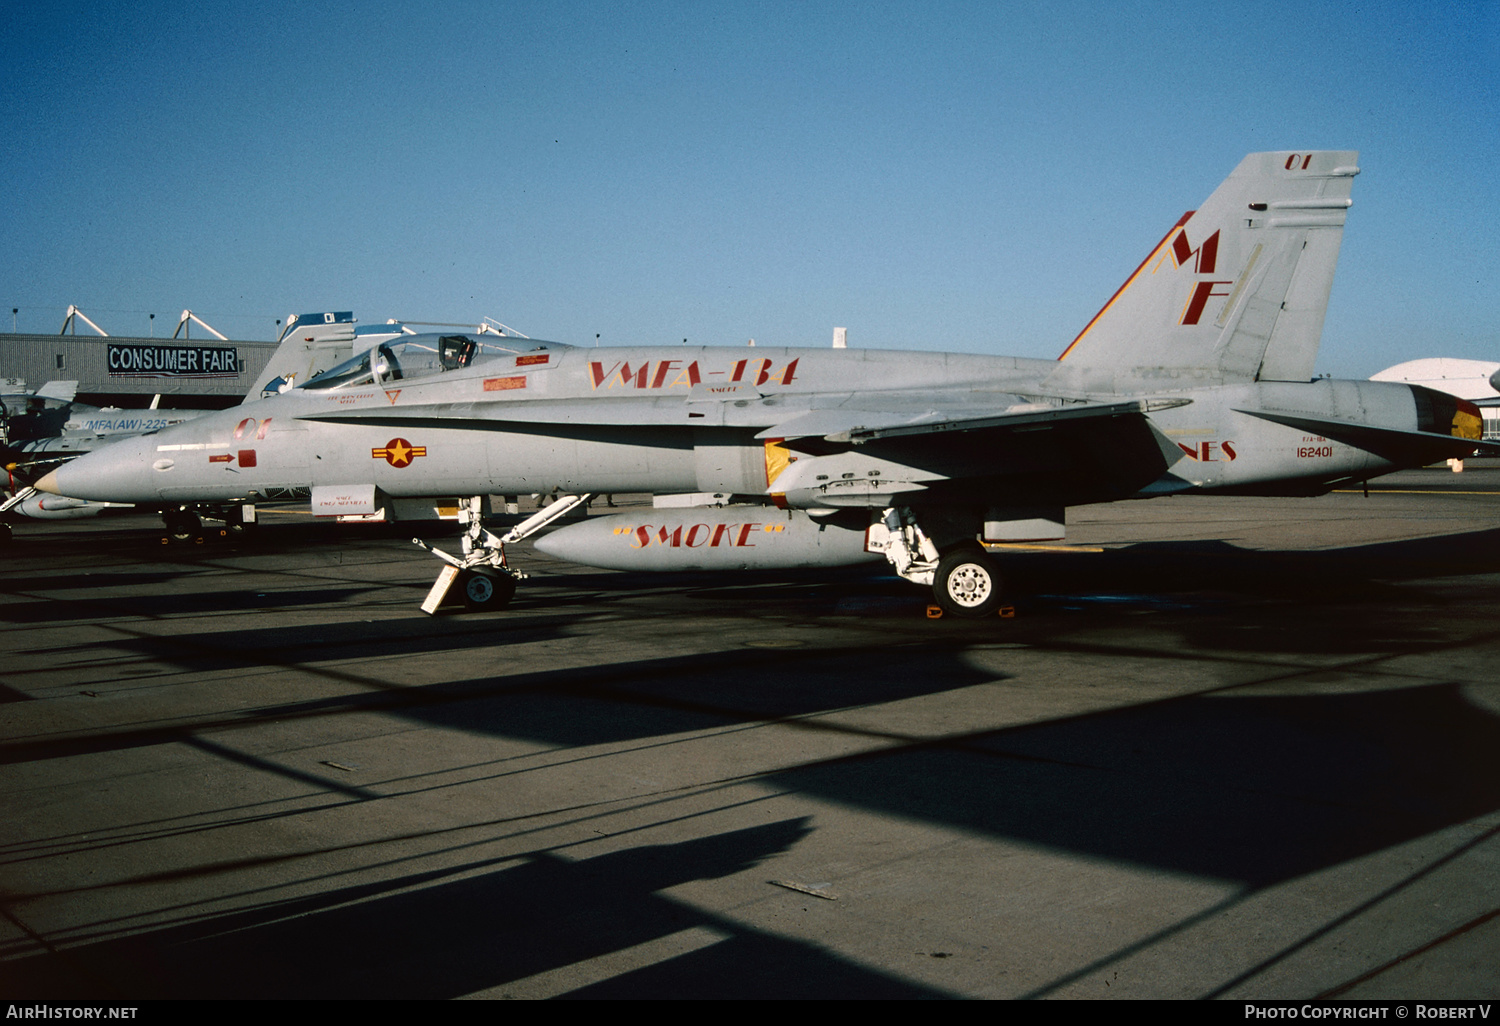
column 182, row 523
column 485, row 590
column 185, row 523
column 486, row 581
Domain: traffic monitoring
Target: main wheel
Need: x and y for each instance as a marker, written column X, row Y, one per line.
column 483, row 591
column 966, row 582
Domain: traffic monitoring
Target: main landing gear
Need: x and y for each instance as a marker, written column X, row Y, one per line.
column 966, row 582
column 485, row 581
column 964, row 579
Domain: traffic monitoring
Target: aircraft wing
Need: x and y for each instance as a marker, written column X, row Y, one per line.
column 1031, row 453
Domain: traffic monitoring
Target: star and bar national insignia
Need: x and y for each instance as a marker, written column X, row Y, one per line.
column 398, row 452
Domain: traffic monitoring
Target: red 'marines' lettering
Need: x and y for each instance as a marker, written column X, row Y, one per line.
column 1203, row 452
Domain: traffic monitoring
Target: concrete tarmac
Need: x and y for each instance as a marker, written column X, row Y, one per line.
column 1248, row 748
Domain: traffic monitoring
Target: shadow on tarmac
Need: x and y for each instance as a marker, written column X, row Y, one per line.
column 469, row 928
column 1253, row 789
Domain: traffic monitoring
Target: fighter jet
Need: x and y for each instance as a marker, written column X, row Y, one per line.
column 43, row 428
column 40, row 430
column 1196, row 376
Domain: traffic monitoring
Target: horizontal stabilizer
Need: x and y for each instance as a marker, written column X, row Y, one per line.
column 1406, row 448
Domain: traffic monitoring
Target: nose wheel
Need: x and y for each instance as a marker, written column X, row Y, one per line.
column 483, row 577
column 966, row 582
column 483, row 591
column 183, row 525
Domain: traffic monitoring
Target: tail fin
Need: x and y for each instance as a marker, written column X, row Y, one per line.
column 1236, row 291
column 64, row 391
column 309, row 343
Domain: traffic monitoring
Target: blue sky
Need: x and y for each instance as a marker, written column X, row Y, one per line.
column 976, row 177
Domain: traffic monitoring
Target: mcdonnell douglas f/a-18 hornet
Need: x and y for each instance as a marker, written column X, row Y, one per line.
column 1196, row 376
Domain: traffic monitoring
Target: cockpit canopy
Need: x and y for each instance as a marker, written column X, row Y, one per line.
column 419, row 356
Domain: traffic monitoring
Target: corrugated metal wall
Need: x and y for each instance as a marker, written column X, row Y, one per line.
column 129, row 371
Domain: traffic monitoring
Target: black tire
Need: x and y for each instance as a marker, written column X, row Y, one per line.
column 967, row 583
column 183, row 525
column 483, row 591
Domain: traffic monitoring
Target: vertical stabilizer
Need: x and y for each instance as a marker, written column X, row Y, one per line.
column 1236, row 291
column 310, row 343
column 63, row 391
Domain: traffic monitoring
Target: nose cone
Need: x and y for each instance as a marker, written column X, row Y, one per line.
column 119, row 472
